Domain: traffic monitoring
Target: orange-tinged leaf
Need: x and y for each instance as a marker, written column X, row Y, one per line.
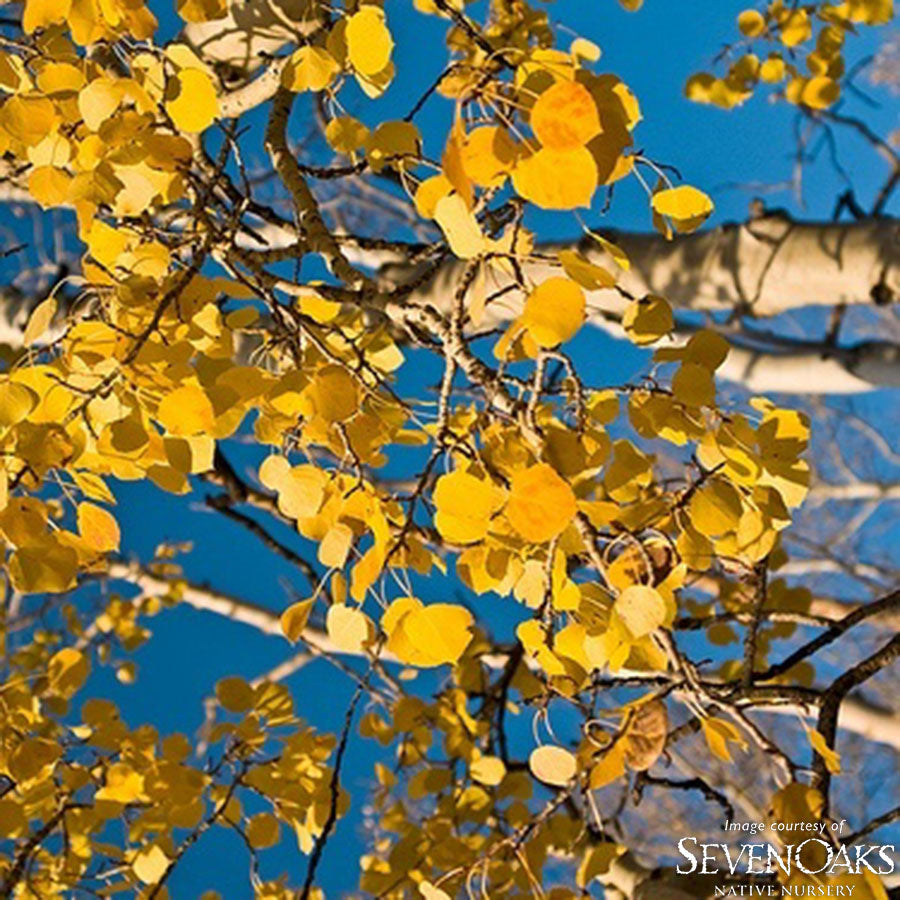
column 565, row 116
column 186, row 411
column 557, row 179
column 555, row 766
column 98, row 528
column 488, row 155
column 541, row 504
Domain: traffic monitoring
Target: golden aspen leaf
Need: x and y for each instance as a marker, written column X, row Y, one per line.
column 693, row 385
column 234, row 694
column 439, row 632
column 45, row 567
column 582, row 48
column 489, row 770
column 590, row 276
column 49, row 185
column 555, row 766
column 686, row 206
column 335, row 546
column 28, row 119
column 460, row 226
column 541, row 504
column 301, row 494
column 369, row 43
column 334, row 394
column 429, row 193
column 191, row 101
column 795, row 28
column 98, row 101
column 263, row 830
column 33, row 758
column 488, row 154
column 345, row 134
column 554, row 311
column 393, row 144
column 13, row 821
column 631, row 5
column 641, row 609
column 16, row 402
column 715, row 508
column 648, row 319
column 820, row 92
column 349, row 629
column 565, row 116
column 645, row 736
column 41, row 13
column 98, row 528
column 451, row 164
column 465, row 505
column 772, row 70
column 597, row 861
column 67, row 671
column 797, row 802
column 186, row 411
column 609, row 767
column 274, row 471
column 751, row 23
column 832, row 758
column 150, row 864
column 614, row 250
column 719, row 734
column 295, row 617
column 557, row 179
column 202, row 10
column 310, row 68
column 39, row 321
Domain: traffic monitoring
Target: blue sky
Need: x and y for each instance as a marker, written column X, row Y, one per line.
column 654, row 51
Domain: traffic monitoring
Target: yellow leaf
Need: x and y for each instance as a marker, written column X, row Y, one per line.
column 590, row 276
column 648, row 319
column 427, row 635
column 541, row 504
column 41, row 13
column 488, row 770
column 719, row 734
column 191, row 101
column 98, row 101
column 831, row 757
column 335, row 546
column 122, row 784
column 429, row 193
column 751, row 23
column 294, row 619
column 310, row 68
column 557, row 179
column 715, row 508
column 641, row 609
column 39, row 321
column 686, row 206
column 346, row 134
column 465, row 505
column 430, row 892
column 795, row 28
column 67, row 671
column 98, row 527
column 820, row 92
column 553, row 765
column 554, row 311
column 16, row 402
column 49, row 185
column 584, row 49
column 369, row 43
column 150, row 864
column 609, row 767
column 488, row 155
column 349, row 629
column 565, row 116
column 460, row 226
column 393, row 144
column 186, row 411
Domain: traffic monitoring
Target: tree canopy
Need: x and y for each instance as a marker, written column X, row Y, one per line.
column 252, row 273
